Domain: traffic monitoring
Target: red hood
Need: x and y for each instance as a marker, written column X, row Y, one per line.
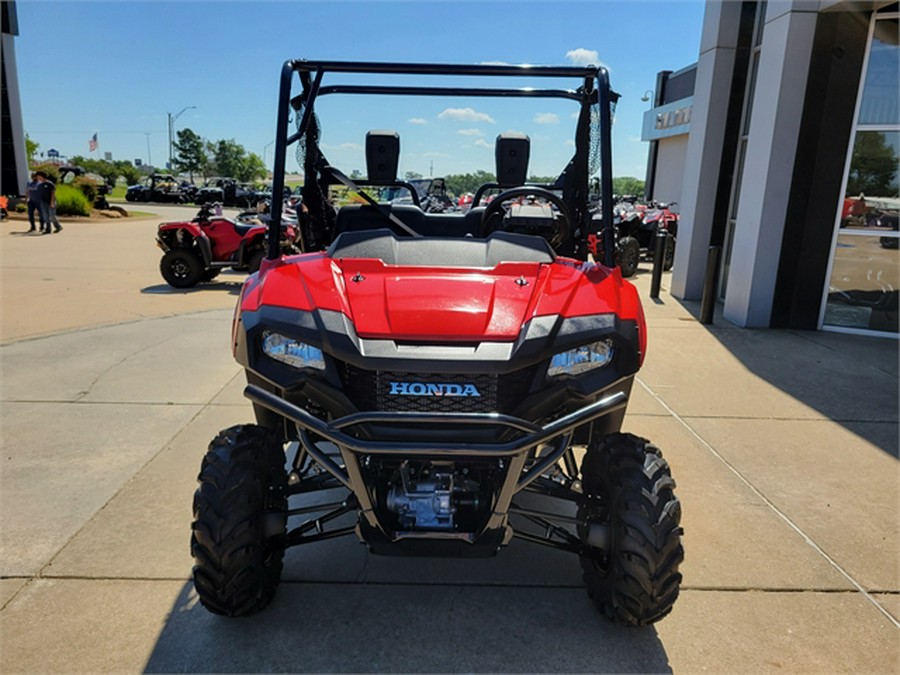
column 436, row 304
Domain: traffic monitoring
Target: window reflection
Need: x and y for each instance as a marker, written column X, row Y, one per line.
column 863, row 290
column 881, row 92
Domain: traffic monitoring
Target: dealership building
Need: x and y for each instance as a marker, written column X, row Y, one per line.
column 780, row 146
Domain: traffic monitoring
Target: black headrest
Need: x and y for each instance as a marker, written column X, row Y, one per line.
column 511, row 157
column 382, row 156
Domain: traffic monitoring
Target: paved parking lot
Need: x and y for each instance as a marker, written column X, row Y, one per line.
column 784, row 445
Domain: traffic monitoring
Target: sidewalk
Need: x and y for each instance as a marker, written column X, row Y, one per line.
column 784, row 445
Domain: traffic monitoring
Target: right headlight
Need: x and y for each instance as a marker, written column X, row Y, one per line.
column 581, row 359
column 292, row 352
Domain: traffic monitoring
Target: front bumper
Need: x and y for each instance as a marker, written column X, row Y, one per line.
column 554, row 438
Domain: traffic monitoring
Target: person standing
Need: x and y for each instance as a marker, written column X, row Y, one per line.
column 46, row 195
column 31, row 193
column 53, row 220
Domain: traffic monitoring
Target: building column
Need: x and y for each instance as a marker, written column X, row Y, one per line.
column 715, row 67
column 771, row 151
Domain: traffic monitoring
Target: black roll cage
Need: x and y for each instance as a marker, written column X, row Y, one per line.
column 594, row 89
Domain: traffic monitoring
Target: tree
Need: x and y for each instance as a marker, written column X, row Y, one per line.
column 873, row 166
column 190, row 153
column 229, row 158
column 626, row 185
column 31, row 148
column 411, row 175
column 467, row 182
column 128, row 171
column 252, row 168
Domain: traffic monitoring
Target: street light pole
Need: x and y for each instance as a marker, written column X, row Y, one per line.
column 149, row 158
column 265, row 152
column 172, row 119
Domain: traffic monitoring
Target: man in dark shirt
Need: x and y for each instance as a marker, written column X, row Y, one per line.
column 46, row 199
column 33, row 203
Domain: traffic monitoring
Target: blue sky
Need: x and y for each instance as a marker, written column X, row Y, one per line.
column 116, row 68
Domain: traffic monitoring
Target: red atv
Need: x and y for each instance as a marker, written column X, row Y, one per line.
column 199, row 249
column 441, row 382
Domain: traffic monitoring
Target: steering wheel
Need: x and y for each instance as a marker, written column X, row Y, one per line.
column 561, row 228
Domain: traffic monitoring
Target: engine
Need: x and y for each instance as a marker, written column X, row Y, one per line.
column 436, row 496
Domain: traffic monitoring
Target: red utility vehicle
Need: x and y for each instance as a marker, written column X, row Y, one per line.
column 197, row 250
column 441, row 382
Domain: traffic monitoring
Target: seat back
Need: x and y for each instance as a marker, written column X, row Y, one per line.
column 382, row 156
column 511, row 154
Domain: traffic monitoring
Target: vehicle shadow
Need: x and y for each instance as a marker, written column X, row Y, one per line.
column 231, row 287
column 319, row 627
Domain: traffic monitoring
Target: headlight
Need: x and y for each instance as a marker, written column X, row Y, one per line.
column 292, row 352
column 581, row 359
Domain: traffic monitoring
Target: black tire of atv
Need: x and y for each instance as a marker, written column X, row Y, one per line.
column 210, row 274
column 669, row 257
column 181, row 268
column 255, row 261
column 629, row 255
column 628, row 486
column 239, row 516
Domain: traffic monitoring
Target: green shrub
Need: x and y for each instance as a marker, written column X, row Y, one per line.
column 21, row 207
column 70, row 201
column 52, row 170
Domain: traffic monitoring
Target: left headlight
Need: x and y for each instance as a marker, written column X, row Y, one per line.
column 581, row 359
column 292, row 352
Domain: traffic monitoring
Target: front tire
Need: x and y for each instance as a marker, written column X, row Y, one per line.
column 628, row 490
column 629, row 254
column 181, row 268
column 255, row 261
column 240, row 516
column 669, row 257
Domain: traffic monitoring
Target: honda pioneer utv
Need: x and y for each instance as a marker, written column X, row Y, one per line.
column 457, row 379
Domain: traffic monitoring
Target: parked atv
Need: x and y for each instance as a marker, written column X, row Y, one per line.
column 198, row 250
column 658, row 216
column 451, row 380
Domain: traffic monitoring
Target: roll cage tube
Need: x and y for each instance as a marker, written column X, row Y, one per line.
column 312, row 88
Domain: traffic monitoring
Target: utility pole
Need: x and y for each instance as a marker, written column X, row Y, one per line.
column 172, row 119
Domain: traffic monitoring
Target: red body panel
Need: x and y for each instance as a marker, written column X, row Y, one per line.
column 224, row 239
column 442, row 304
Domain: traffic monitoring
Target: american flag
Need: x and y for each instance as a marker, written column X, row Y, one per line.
column 92, row 144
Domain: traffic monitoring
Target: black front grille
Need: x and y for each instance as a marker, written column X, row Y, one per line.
column 434, row 392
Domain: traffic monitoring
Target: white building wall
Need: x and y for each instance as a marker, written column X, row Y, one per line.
column 670, row 163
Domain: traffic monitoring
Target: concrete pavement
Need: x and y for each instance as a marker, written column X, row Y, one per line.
column 784, row 446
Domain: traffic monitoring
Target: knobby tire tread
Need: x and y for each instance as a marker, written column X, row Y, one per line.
column 237, row 570
column 639, row 581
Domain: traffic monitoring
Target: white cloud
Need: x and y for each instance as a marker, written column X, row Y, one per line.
column 435, row 154
column 342, row 146
column 483, row 143
column 417, row 120
column 583, row 57
column 569, row 143
column 465, row 115
column 546, row 118
column 470, row 132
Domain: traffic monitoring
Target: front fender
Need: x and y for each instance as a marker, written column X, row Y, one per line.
column 188, row 235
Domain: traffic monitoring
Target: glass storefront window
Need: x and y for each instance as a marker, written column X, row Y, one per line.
column 865, row 283
column 863, row 289
column 880, row 103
